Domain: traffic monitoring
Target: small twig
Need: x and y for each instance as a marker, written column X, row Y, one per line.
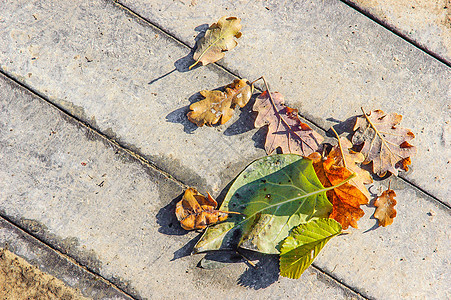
column 247, row 259
column 261, row 77
column 345, row 233
column 230, row 212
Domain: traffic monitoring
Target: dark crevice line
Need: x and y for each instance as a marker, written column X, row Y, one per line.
column 88, row 127
column 66, row 256
column 415, row 186
column 334, row 278
column 172, row 36
column 149, row 22
column 397, row 32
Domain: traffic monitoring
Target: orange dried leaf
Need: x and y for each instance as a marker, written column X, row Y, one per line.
column 386, row 145
column 346, row 199
column 385, row 204
column 220, row 105
column 345, row 157
column 196, row 211
column 345, row 214
column 285, row 128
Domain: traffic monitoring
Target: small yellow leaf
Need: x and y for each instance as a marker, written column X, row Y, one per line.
column 218, row 39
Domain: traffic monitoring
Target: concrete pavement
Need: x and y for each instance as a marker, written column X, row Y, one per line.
column 96, row 148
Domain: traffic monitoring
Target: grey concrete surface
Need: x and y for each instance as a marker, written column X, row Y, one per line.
column 114, row 215
column 329, row 60
column 426, row 22
column 108, row 58
column 50, row 262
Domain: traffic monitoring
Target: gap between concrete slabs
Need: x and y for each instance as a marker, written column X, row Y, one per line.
column 55, row 264
column 335, row 57
column 424, row 23
column 88, row 199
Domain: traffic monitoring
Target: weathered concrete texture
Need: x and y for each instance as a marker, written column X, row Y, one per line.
column 124, row 78
column 427, row 22
column 329, row 60
column 50, row 262
column 87, row 198
column 112, row 214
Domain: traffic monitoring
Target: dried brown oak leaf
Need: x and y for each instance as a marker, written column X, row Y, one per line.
column 218, row 39
column 196, row 211
column 350, row 159
column 346, row 199
column 385, row 211
column 386, row 145
column 285, row 128
column 220, row 105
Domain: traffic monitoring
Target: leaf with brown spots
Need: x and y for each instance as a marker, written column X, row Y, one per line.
column 285, row 129
column 386, row 145
column 196, row 211
column 220, row 105
column 346, row 199
column 385, row 204
column 218, row 39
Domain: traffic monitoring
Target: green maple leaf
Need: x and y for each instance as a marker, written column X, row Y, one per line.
column 304, row 243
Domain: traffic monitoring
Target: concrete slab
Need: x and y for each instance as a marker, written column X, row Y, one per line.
column 87, row 198
column 426, row 22
column 50, row 262
column 329, row 60
column 126, row 79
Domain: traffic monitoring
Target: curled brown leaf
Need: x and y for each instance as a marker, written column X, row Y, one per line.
column 219, row 105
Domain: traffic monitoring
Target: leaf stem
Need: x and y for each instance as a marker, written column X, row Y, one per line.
column 341, row 183
column 339, row 146
column 261, row 77
column 230, row 212
column 246, row 259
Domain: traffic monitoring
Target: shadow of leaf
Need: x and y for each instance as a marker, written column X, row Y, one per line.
column 168, row 221
column 179, row 115
column 219, row 259
column 201, row 29
column 245, row 121
column 374, row 195
column 346, row 126
column 187, row 249
column 182, row 64
column 265, row 273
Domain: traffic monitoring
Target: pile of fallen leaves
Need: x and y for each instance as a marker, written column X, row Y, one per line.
column 294, row 202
